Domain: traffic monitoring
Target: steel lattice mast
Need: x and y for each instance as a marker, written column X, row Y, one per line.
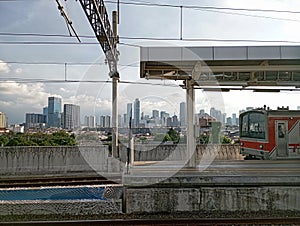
column 107, row 36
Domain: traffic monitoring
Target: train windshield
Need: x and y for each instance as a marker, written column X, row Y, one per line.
column 253, row 125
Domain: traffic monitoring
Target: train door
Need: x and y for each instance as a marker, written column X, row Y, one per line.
column 282, row 138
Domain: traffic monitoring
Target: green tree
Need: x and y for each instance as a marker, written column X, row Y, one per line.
column 172, row 135
column 3, row 140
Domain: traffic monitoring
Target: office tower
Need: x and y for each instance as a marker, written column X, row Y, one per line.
column 125, row 123
column 223, row 118
column 229, row 121
column 71, row 116
column 90, row 121
column 45, row 112
column 120, row 124
column 137, row 112
column 2, row 120
column 54, row 112
column 129, row 114
column 234, row 119
column 33, row 120
column 105, row 121
column 217, row 114
column 175, row 121
column 202, row 112
column 182, row 114
column 155, row 114
column 163, row 116
column 102, row 121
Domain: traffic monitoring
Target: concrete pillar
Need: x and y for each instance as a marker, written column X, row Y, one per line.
column 190, row 108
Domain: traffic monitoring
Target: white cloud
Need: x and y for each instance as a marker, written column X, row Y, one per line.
column 4, row 68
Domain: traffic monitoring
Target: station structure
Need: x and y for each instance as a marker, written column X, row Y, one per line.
column 222, row 68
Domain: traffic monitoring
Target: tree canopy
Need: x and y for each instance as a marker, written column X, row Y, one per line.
column 60, row 138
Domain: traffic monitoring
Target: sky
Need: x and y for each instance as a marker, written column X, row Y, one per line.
column 32, row 70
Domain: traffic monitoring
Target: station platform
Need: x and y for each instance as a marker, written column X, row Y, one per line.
column 225, row 173
column 220, row 186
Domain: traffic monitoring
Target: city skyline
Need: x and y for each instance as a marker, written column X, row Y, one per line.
column 70, row 116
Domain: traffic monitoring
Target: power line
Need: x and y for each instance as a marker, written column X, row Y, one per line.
column 138, row 3
column 205, row 40
column 146, row 38
column 213, row 9
column 44, row 35
column 30, row 80
column 68, row 64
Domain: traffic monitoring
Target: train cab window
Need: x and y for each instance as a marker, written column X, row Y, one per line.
column 253, row 125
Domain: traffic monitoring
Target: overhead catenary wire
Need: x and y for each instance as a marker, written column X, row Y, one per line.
column 65, row 63
column 149, row 4
column 34, row 80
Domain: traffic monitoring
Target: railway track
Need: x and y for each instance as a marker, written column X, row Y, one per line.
column 166, row 222
column 57, row 181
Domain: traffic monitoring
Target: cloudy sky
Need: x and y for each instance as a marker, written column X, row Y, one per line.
column 32, row 67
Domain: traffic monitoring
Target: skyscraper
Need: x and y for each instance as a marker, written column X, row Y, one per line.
column 2, row 120
column 182, row 114
column 71, row 116
column 129, row 114
column 234, row 119
column 45, row 112
column 90, row 121
column 155, row 114
column 33, row 120
column 137, row 112
column 54, row 112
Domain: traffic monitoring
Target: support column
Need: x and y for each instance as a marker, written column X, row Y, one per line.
column 115, row 81
column 115, row 123
column 190, row 109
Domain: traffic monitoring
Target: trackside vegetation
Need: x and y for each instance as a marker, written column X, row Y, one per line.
column 60, row 138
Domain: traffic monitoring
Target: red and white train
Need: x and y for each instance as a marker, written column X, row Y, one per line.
column 270, row 134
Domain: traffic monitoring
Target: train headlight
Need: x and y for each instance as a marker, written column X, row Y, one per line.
column 242, row 144
column 261, row 146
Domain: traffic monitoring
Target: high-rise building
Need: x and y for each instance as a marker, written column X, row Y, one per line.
column 3, row 124
column 182, row 114
column 155, row 114
column 175, row 121
column 105, row 121
column 163, row 116
column 45, row 112
column 129, row 114
column 54, row 112
column 90, row 121
column 33, row 120
column 120, row 122
column 71, row 116
column 234, row 119
column 137, row 112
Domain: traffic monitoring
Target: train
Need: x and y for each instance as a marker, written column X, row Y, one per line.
column 270, row 134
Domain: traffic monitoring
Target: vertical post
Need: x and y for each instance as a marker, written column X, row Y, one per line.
column 190, row 108
column 115, row 80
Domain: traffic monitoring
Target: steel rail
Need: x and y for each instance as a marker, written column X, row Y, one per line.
column 165, row 222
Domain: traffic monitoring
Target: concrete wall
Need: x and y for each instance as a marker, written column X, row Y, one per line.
column 219, row 199
column 58, row 160
column 178, row 152
column 53, row 160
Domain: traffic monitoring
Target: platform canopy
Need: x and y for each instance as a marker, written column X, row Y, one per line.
column 225, row 68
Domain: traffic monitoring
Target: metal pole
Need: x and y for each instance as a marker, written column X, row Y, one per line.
column 115, row 80
column 190, row 108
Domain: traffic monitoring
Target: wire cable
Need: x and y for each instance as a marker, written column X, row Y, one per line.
column 137, row 3
column 33, row 80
